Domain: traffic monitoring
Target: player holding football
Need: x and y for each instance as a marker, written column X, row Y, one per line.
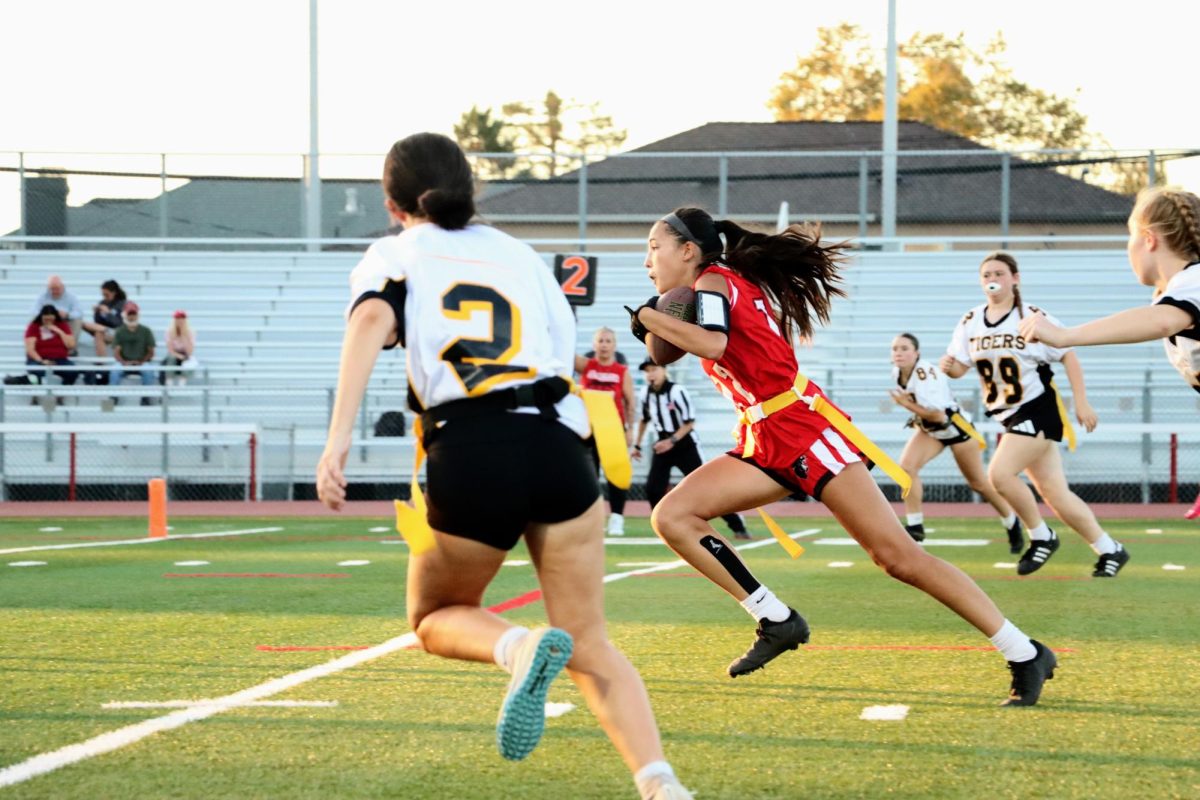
column 754, row 293
column 1019, row 392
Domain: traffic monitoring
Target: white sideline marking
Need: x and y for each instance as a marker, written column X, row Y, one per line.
column 515, row 562
column 1004, row 565
column 558, row 709
column 357, row 562
column 391, row 541
column 1174, row 567
column 143, row 540
column 1153, row 530
column 191, row 703
column 114, row 740
column 846, row 540
column 884, row 713
column 640, row 563
column 192, row 563
column 27, row 563
column 841, row 564
column 50, row 530
column 381, row 529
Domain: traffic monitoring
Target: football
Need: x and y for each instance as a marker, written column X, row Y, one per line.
column 680, row 303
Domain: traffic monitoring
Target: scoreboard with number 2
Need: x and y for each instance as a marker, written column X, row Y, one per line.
column 577, row 277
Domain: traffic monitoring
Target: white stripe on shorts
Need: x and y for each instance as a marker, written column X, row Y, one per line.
column 839, row 444
column 827, row 459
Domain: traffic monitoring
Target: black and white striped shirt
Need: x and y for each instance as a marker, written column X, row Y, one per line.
column 667, row 409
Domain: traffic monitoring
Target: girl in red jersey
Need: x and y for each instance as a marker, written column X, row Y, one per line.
column 754, row 293
column 603, row 372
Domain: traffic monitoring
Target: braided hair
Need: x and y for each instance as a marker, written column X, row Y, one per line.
column 793, row 268
column 1174, row 215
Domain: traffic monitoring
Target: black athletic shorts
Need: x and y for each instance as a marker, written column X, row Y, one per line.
column 492, row 475
column 1038, row 416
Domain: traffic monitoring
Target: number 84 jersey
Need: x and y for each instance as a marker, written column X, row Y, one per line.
column 1012, row 371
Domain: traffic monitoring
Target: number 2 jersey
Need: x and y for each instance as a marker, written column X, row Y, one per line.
column 476, row 310
column 1183, row 349
column 930, row 389
column 758, row 364
column 1013, row 371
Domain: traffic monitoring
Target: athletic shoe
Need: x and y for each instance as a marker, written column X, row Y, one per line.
column 616, row 525
column 771, row 640
column 1194, row 511
column 669, row 789
column 917, row 532
column 539, row 658
column 1016, row 541
column 1029, row 676
column 1110, row 564
column 1039, row 553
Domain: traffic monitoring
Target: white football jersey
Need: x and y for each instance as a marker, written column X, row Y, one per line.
column 481, row 312
column 1183, row 349
column 929, row 388
column 1009, row 367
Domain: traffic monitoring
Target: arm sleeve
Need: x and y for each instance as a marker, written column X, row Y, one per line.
column 376, row 276
column 683, row 401
column 958, row 343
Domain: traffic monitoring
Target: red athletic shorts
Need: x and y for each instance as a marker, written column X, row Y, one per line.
column 807, row 473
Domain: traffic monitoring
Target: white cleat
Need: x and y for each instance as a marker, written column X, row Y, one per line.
column 616, row 525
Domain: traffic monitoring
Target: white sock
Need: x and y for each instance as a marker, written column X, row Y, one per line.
column 1008, row 521
column 1042, row 532
column 763, row 604
column 649, row 777
column 502, row 652
column 1105, row 545
column 1012, row 643
column 915, row 519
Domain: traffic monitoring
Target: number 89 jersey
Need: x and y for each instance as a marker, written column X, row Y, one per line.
column 476, row 311
column 1013, row 371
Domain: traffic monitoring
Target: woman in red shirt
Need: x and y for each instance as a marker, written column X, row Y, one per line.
column 48, row 342
column 603, row 372
column 755, row 293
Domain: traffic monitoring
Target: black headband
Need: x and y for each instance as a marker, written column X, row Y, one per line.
column 677, row 225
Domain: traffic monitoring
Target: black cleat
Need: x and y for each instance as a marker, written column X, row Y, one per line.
column 917, row 532
column 742, row 535
column 1016, row 541
column 1028, row 677
column 1110, row 563
column 1039, row 553
column 771, row 640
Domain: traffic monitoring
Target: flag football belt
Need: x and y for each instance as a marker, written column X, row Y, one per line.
column 412, row 517
column 1068, row 429
column 961, row 423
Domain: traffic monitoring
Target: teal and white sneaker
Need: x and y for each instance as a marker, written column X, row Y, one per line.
column 540, row 657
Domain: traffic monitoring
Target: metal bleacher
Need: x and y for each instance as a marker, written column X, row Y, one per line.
column 269, row 328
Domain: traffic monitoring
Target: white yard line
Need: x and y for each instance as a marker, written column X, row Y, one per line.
column 190, row 703
column 143, row 540
column 114, row 740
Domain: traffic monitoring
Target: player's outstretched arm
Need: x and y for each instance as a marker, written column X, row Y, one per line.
column 371, row 323
column 1125, row 327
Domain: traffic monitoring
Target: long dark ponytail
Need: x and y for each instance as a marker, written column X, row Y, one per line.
column 798, row 273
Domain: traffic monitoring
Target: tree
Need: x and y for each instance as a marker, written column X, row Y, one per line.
column 560, row 127
column 945, row 83
column 477, row 131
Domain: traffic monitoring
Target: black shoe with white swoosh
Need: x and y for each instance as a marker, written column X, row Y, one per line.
column 770, row 640
column 1110, row 564
column 1039, row 553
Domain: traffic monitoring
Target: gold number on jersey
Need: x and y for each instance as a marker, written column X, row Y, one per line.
column 1009, row 372
column 482, row 362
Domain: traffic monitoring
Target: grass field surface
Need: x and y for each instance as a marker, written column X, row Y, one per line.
column 137, row 623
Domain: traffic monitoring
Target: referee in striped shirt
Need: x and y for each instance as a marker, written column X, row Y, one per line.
column 667, row 408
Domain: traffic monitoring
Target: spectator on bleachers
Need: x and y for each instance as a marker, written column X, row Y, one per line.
column 68, row 305
column 181, row 350
column 106, row 316
column 48, row 342
column 133, row 346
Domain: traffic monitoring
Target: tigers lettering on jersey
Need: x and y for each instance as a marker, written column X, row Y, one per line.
column 481, row 311
column 1011, row 370
column 1183, row 349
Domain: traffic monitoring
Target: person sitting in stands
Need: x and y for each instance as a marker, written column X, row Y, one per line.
column 133, row 346
column 48, row 341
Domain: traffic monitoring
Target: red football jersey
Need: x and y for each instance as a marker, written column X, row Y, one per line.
column 610, row 378
column 759, row 363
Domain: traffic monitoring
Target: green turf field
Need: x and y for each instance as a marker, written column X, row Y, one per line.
column 104, row 624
